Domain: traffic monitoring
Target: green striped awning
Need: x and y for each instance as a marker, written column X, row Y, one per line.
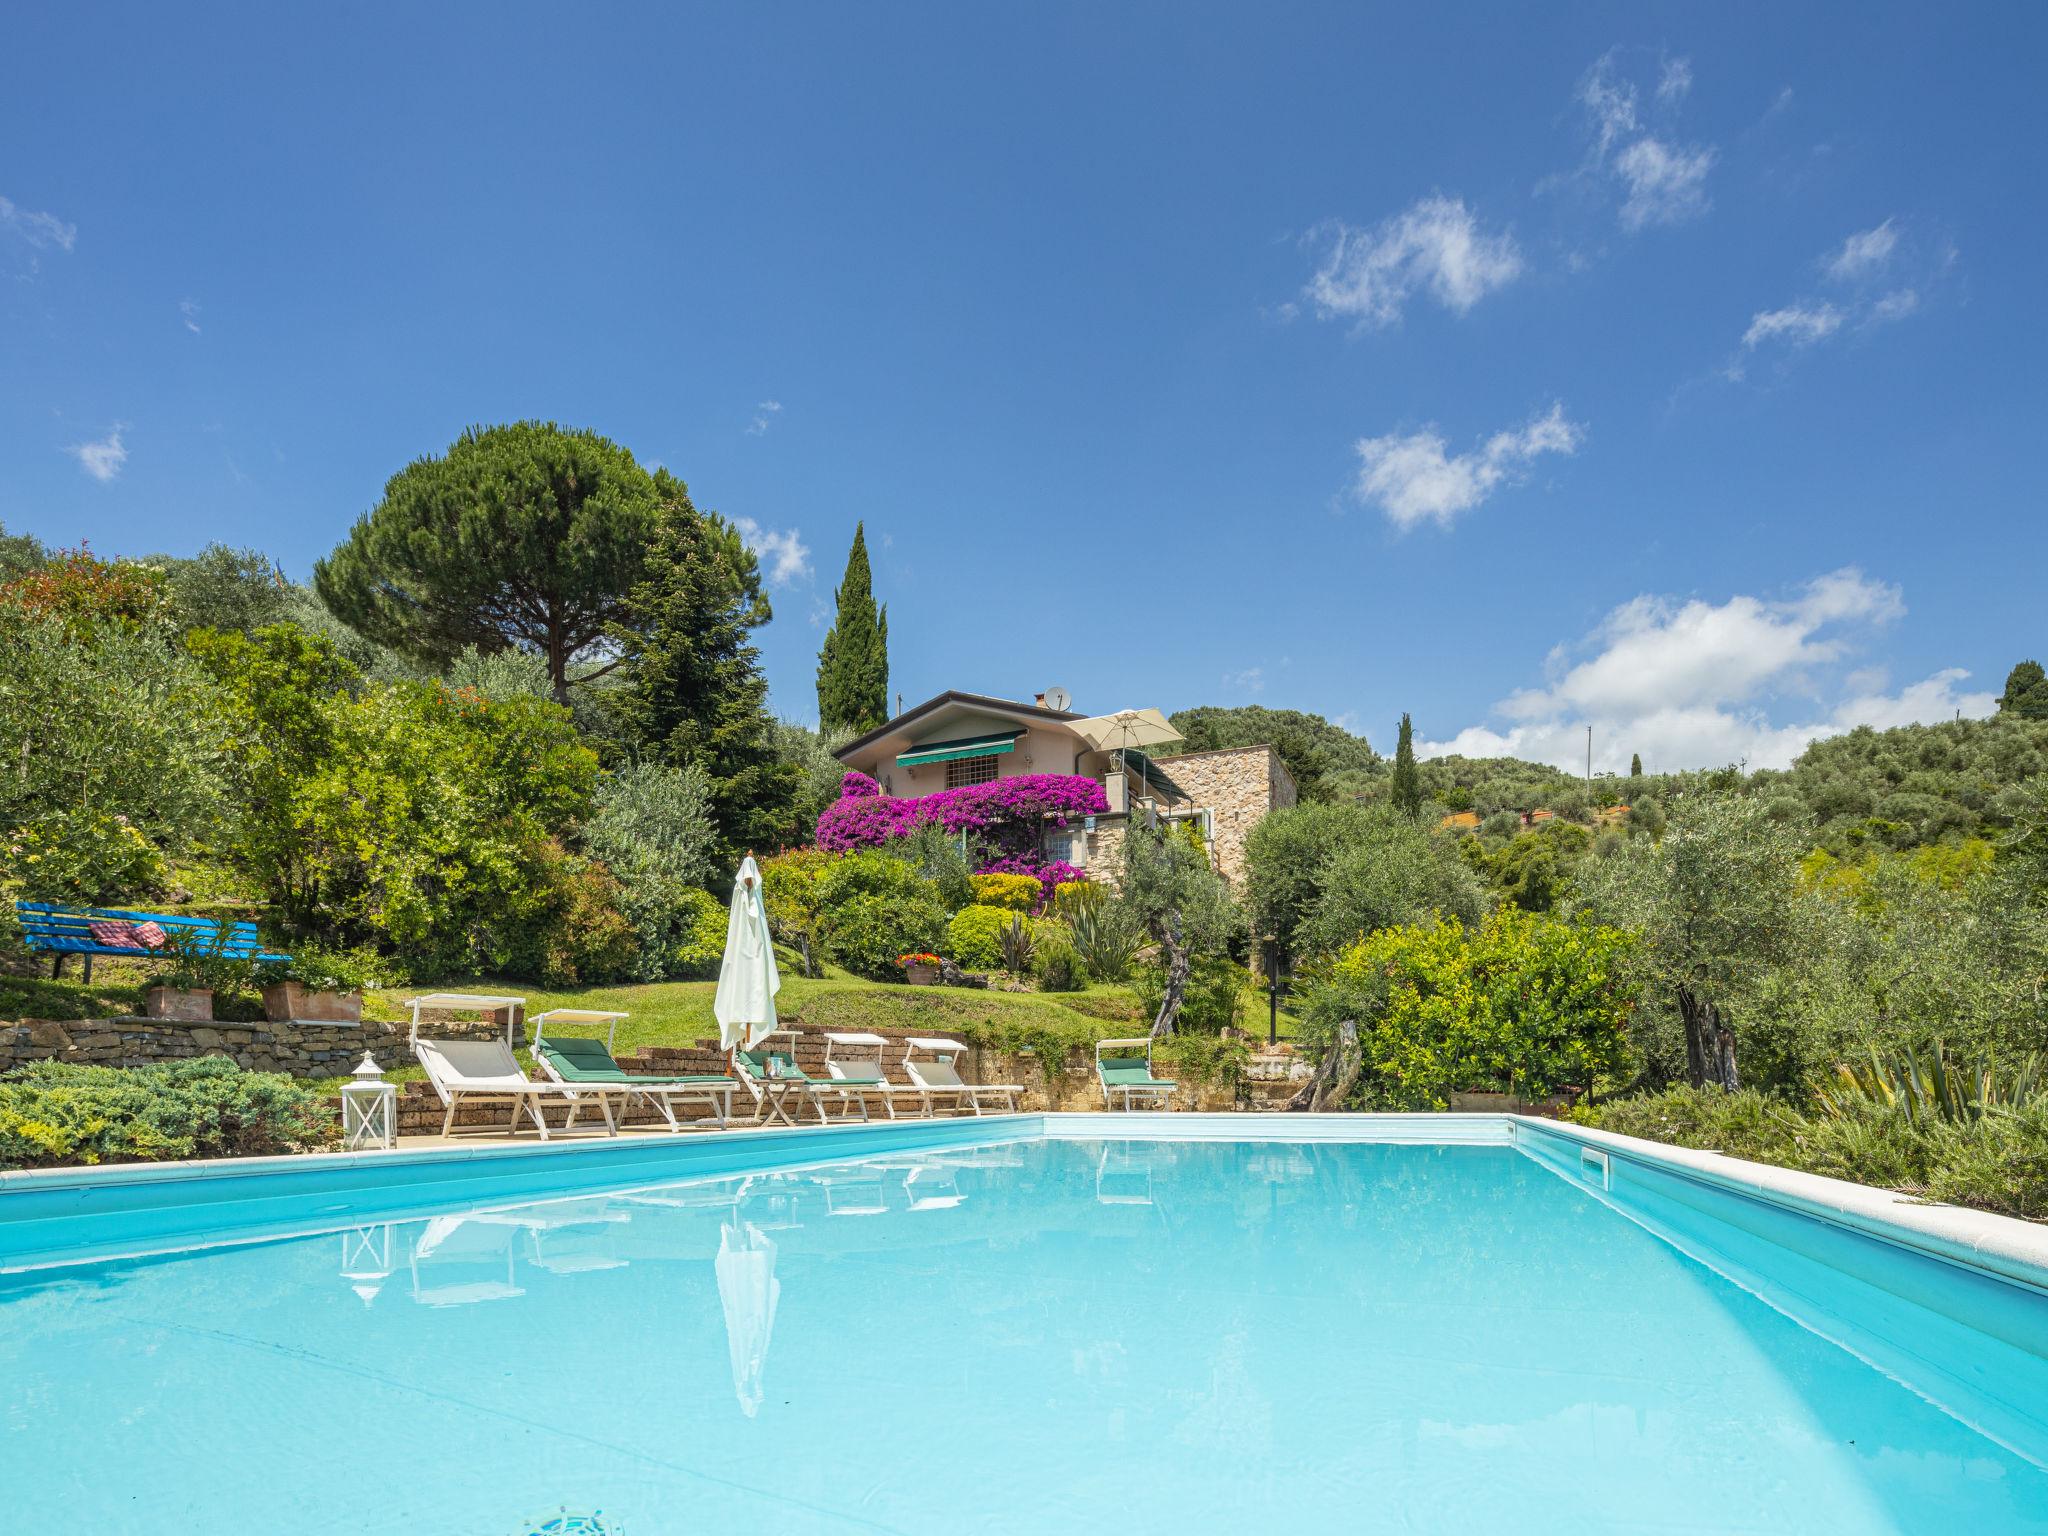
column 966, row 746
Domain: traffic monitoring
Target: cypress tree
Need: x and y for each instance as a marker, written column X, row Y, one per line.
column 853, row 665
column 694, row 692
column 1635, row 765
column 1407, row 777
column 2026, row 692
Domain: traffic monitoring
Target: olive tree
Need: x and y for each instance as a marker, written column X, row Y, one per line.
column 1713, row 901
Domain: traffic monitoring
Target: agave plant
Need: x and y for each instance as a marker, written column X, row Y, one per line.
column 1106, row 940
column 1928, row 1085
column 1016, row 943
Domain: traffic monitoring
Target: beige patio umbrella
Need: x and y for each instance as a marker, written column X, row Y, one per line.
column 748, row 1291
column 1137, row 728
column 747, row 977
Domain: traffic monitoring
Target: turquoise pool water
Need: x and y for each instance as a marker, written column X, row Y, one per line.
column 1034, row 1335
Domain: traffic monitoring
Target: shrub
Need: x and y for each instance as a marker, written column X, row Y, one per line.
column 54, row 1113
column 873, row 908
column 325, row 970
column 1995, row 1161
column 974, row 937
column 790, row 888
column 1072, row 896
column 568, row 927
column 1006, row 810
column 1017, row 941
column 90, row 858
column 703, row 942
column 1524, row 1003
column 1107, row 938
column 1019, row 893
column 1055, row 964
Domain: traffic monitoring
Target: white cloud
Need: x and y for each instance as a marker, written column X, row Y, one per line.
column 1662, row 181
column 1666, row 184
column 1692, row 684
column 1864, row 253
column 1369, row 275
column 764, row 413
column 1250, row 680
column 1895, row 305
column 1796, row 325
column 1412, row 478
column 102, row 459
column 41, row 230
column 785, row 554
column 190, row 311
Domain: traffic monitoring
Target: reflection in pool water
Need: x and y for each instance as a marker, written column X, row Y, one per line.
column 1020, row 1337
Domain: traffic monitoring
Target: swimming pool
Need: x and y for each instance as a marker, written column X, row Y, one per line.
column 1027, row 1325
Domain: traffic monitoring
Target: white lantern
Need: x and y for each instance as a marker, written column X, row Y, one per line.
column 369, row 1108
column 366, row 1260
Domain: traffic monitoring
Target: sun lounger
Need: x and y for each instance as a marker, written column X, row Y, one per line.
column 1128, row 1074
column 487, row 1071
column 940, row 1077
column 583, row 1059
column 863, row 1073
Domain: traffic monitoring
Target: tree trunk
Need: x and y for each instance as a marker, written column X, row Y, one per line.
column 1335, row 1073
column 1176, row 977
column 1709, row 1042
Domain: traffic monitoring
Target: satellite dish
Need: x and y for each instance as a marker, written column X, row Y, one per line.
column 1058, row 698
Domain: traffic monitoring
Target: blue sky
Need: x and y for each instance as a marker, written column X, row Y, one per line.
column 1675, row 370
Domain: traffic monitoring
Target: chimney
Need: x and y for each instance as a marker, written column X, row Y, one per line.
column 1039, row 700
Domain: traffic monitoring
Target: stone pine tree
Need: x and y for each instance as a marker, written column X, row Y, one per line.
column 694, row 693
column 526, row 536
column 1635, row 765
column 853, row 666
column 2026, row 692
column 1407, row 777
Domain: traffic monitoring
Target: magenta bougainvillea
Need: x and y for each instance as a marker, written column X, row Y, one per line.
column 1007, row 812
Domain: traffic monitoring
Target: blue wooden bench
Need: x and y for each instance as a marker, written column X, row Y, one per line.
column 60, row 931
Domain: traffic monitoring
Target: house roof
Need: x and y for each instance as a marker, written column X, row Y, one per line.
column 949, row 699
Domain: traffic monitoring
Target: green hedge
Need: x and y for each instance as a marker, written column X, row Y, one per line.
column 54, row 1114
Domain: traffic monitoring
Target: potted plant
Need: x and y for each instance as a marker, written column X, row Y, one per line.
column 315, row 987
column 196, row 970
column 920, row 969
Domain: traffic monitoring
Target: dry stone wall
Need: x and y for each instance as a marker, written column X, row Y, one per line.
column 299, row 1049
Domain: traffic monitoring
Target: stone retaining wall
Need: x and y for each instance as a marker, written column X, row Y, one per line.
column 300, row 1049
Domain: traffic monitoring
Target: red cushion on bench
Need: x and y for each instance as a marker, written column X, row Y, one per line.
column 151, row 935
column 112, row 933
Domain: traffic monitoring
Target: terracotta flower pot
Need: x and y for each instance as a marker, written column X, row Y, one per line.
column 193, row 1006
column 287, row 1000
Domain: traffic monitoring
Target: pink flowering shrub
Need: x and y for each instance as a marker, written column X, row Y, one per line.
column 1007, row 812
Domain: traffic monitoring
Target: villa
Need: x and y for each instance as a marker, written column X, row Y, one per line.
column 957, row 739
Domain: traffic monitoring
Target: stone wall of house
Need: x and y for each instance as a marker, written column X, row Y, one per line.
column 1239, row 785
column 302, row 1050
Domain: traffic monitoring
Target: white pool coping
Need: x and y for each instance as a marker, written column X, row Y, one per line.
column 2002, row 1245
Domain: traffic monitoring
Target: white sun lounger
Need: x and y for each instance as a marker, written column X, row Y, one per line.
column 486, row 1070
column 940, row 1077
column 862, row 1073
column 584, row 1061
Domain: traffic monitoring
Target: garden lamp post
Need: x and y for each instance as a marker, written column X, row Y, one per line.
column 369, row 1108
column 1272, row 943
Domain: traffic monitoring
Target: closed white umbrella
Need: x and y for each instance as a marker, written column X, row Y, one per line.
column 747, row 977
column 748, row 1290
